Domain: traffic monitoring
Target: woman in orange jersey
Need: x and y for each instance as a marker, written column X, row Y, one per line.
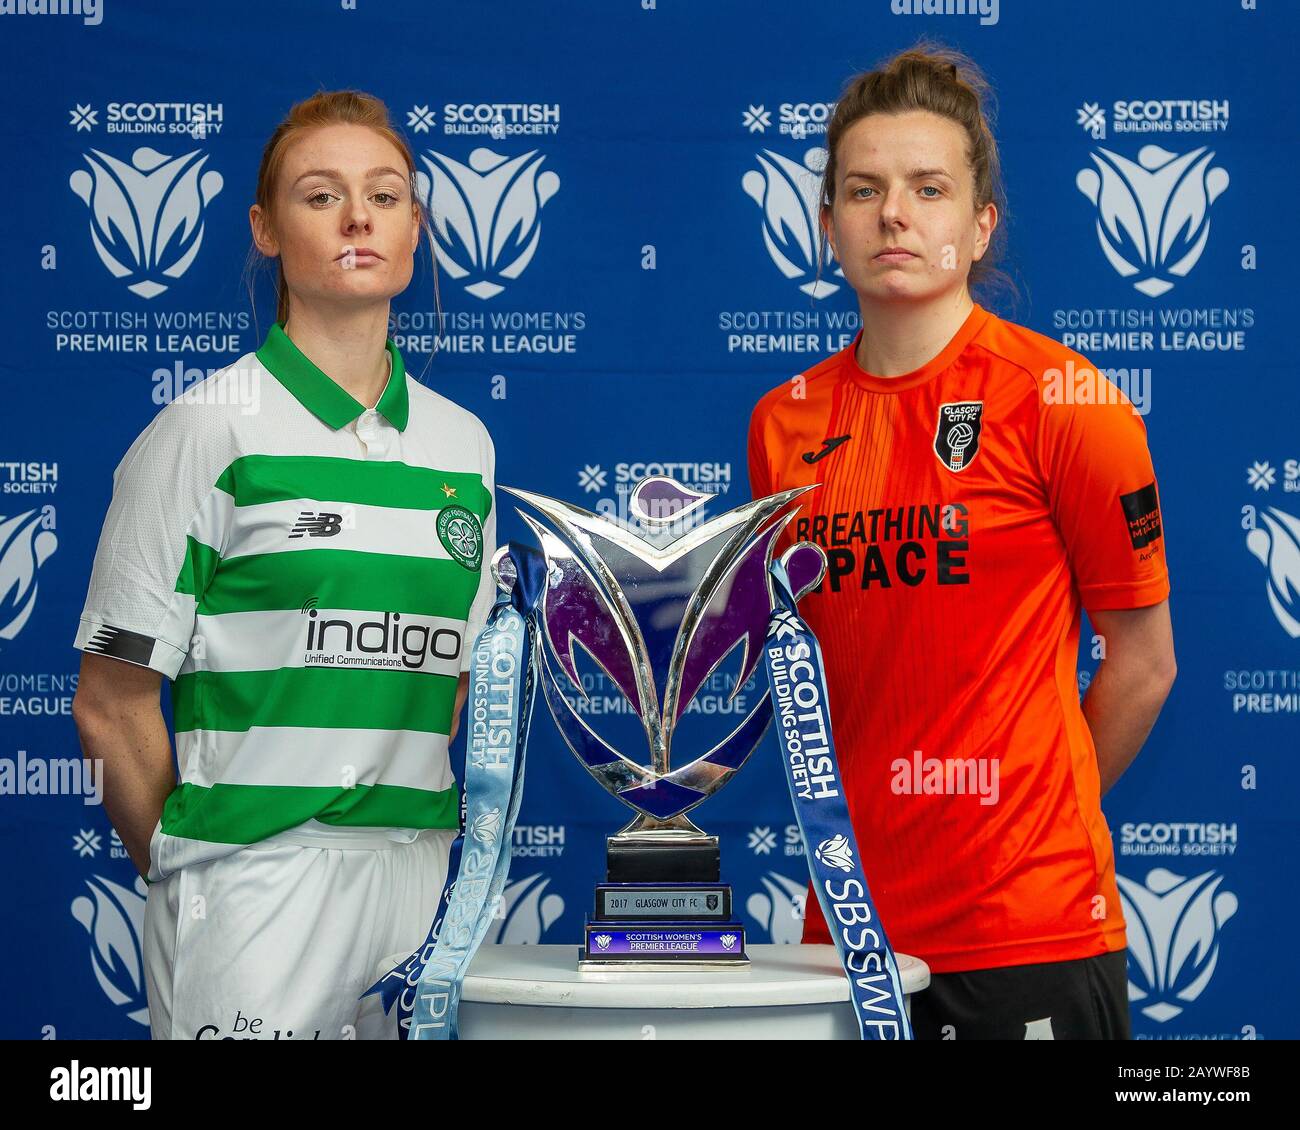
column 980, row 484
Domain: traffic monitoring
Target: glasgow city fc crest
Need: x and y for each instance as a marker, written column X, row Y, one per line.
column 957, row 437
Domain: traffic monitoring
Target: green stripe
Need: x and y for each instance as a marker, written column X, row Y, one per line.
column 256, row 479
column 346, row 698
column 198, row 568
column 248, row 814
column 341, row 578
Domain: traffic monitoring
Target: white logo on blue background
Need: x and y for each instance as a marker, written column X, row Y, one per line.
column 788, row 194
column 756, row 119
column 147, row 218
column 1153, row 216
column 591, row 478
column 487, row 215
column 1092, row 117
column 1277, row 545
column 114, row 919
column 84, row 117
column 87, row 843
column 486, row 827
column 1173, row 937
column 836, row 853
column 781, row 910
column 1261, row 475
column 420, row 119
column 26, row 542
column 525, row 913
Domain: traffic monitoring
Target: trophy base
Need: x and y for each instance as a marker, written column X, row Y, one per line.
column 644, row 860
column 661, row 906
column 653, row 946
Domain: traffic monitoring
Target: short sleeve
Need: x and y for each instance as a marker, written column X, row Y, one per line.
column 1104, row 499
column 760, row 479
column 485, row 597
column 161, row 539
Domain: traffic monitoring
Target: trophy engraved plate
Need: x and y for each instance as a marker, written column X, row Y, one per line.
column 646, row 901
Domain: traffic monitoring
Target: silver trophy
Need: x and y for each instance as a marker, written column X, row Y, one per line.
column 658, row 601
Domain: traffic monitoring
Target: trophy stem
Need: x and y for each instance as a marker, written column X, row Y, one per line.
column 676, row 829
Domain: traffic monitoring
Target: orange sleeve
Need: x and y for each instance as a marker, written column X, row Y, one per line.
column 760, row 477
column 1102, row 490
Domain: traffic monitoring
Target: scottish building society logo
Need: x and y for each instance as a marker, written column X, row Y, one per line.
column 114, row 917
column 836, row 853
column 1276, row 542
column 1173, row 937
column 26, row 542
column 147, row 218
column 1153, row 215
column 787, row 193
column 487, row 214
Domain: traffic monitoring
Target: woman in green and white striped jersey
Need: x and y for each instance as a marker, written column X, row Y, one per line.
column 301, row 545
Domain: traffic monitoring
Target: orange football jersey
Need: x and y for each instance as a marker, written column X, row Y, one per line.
column 968, row 511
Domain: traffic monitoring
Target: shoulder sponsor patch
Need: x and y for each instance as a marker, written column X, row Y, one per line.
column 1142, row 512
column 957, row 435
column 461, row 536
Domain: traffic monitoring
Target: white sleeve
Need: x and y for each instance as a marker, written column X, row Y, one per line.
column 163, row 534
column 486, row 595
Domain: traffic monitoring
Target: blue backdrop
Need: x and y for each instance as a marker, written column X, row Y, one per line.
column 659, row 301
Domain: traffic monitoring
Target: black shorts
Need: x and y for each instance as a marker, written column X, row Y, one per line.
column 1085, row 999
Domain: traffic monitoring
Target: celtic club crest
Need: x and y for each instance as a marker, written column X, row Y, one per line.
column 461, row 536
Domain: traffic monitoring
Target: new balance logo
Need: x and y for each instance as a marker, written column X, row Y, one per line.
column 828, row 445
column 320, row 525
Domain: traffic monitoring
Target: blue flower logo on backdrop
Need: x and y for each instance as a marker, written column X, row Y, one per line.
column 1277, row 545
column 147, row 217
column 26, row 542
column 487, row 215
column 1173, row 937
column 1153, row 216
column 788, row 192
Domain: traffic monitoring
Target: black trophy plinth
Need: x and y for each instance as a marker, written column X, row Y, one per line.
column 662, row 907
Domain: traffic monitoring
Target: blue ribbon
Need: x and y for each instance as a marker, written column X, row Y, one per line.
column 426, row 986
column 799, row 705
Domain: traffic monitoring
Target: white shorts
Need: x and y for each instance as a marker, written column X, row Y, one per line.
column 278, row 940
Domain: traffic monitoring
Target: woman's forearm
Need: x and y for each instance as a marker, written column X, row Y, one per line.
column 131, row 744
column 1121, row 707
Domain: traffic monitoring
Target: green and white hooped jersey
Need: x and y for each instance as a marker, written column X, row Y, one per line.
column 310, row 575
